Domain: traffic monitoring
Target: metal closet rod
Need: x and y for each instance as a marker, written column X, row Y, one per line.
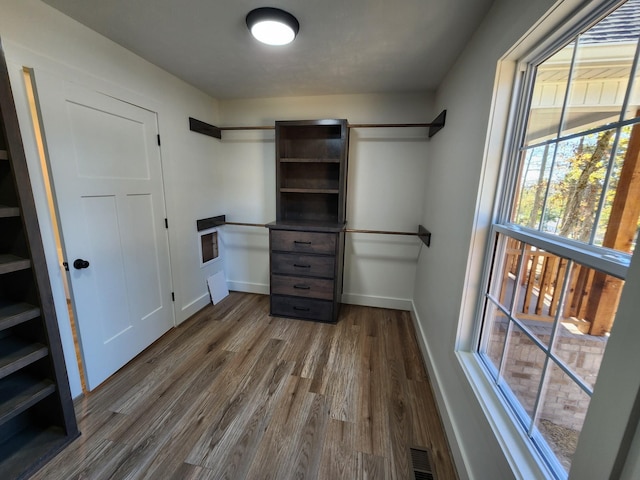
column 423, row 234
column 381, row 232
column 244, row 224
column 211, row 130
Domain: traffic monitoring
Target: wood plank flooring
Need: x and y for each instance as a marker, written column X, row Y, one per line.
column 236, row 394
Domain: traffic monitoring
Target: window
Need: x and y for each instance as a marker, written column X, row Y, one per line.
column 567, row 226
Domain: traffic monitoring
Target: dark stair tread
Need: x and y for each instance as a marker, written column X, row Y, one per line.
column 12, row 263
column 17, row 353
column 19, row 392
column 15, row 313
column 6, row 211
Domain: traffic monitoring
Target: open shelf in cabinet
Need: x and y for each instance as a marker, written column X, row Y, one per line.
column 309, row 190
column 7, row 212
column 15, row 313
column 309, row 207
column 12, row 263
column 20, row 391
column 18, row 353
column 310, row 177
column 310, row 160
column 313, row 141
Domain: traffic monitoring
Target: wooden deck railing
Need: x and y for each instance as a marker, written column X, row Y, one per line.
column 540, row 287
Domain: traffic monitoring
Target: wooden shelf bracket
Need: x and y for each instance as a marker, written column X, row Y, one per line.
column 199, row 126
column 437, row 124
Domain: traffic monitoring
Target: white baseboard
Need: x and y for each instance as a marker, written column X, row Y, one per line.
column 380, row 302
column 441, row 400
column 191, row 308
column 247, row 287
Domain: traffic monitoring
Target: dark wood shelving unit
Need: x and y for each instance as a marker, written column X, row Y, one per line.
column 37, row 418
column 307, row 239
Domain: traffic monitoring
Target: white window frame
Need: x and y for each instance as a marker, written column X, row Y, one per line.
column 525, row 459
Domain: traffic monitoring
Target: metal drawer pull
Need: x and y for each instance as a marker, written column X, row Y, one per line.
column 301, row 243
column 301, row 309
column 301, row 266
column 302, row 287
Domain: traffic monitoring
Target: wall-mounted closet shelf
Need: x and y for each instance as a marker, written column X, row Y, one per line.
column 204, row 128
column 423, row 234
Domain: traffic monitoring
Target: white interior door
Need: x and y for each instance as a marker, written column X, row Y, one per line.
column 105, row 165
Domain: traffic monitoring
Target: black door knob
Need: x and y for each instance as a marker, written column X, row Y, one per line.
column 79, row 264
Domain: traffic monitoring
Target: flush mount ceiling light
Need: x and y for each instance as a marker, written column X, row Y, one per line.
column 272, row 25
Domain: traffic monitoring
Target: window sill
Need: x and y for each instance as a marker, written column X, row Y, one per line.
column 524, row 460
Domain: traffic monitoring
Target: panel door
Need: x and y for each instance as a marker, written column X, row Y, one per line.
column 106, row 169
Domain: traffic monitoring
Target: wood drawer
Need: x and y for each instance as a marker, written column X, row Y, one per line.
column 306, row 308
column 299, row 264
column 302, row 287
column 303, row 242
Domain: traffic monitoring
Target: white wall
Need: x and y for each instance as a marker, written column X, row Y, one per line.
column 386, row 175
column 460, row 193
column 37, row 36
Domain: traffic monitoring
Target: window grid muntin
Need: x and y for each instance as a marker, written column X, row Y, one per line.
column 567, row 92
column 494, row 370
column 542, row 389
column 545, row 201
column 514, row 300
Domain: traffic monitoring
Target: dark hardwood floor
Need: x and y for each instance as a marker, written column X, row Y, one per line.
column 234, row 393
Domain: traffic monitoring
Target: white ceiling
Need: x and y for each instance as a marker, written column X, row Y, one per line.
column 344, row 46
